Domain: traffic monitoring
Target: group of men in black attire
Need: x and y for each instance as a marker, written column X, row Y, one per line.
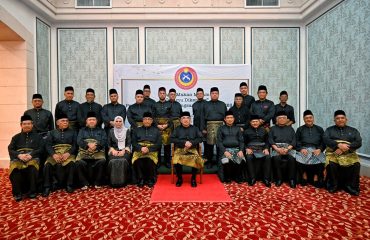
column 248, row 147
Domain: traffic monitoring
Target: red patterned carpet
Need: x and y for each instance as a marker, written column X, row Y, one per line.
column 255, row 213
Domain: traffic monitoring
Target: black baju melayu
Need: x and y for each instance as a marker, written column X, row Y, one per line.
column 58, row 175
column 145, row 164
column 283, row 137
column 214, row 114
column 258, row 163
column 135, row 114
column 109, row 112
column 265, row 110
column 86, row 107
column 162, row 115
column 310, row 138
column 343, row 170
column 230, row 139
column 70, row 108
column 23, row 175
column 90, row 164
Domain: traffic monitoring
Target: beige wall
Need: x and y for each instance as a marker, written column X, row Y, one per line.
column 14, row 70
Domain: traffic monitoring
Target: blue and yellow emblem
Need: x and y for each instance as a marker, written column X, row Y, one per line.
column 186, row 78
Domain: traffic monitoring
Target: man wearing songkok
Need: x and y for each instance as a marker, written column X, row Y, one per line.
column 198, row 109
column 342, row 161
column 42, row 119
column 119, row 142
column 263, row 107
column 146, row 141
column 186, row 139
column 240, row 112
column 43, row 122
column 214, row 114
column 112, row 110
column 89, row 106
column 162, row 115
column 176, row 108
column 61, row 146
column 247, row 99
column 230, row 143
column 147, row 100
column 135, row 111
column 284, row 106
column 70, row 107
column 257, row 152
column 90, row 159
column 282, row 140
column 310, row 151
column 24, row 151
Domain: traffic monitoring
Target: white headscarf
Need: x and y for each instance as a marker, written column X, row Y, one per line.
column 120, row 133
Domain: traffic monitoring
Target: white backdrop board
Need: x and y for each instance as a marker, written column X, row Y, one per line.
column 184, row 78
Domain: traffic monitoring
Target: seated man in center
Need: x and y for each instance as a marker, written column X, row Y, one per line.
column 186, row 139
column 92, row 141
column 146, row 141
column 230, row 143
column 283, row 141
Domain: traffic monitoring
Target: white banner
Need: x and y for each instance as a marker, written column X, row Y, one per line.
column 184, row 78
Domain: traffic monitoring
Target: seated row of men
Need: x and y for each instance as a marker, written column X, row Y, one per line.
column 242, row 151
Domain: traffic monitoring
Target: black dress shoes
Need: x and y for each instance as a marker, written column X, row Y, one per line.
column 18, row 197
column 352, row 191
column 252, row 182
column 267, row 183
column 151, row 183
column 46, row 192
column 227, row 180
column 32, row 195
column 140, row 184
column 193, row 183
column 278, row 183
column 69, row 189
column 179, row 182
column 292, row 184
column 303, row 182
column 333, row 189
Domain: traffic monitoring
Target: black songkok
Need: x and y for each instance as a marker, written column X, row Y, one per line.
column 36, row 96
column 26, row 118
column 214, row 89
column 339, row 112
column 139, row 92
column 254, row 117
column 185, row 114
column 112, row 91
column 228, row 113
column 283, row 93
column 147, row 115
column 281, row 113
column 69, row 88
column 307, row 112
column 91, row 115
column 262, row 87
column 61, row 116
column 243, row 84
column 90, row 90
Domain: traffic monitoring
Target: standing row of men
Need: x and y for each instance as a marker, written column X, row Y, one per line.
column 244, row 139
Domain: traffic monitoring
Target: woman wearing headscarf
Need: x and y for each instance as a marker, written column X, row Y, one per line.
column 119, row 142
